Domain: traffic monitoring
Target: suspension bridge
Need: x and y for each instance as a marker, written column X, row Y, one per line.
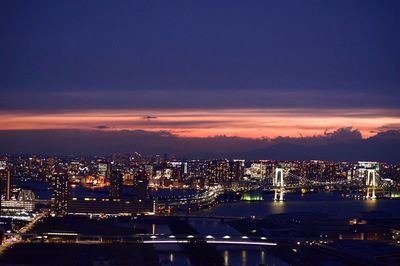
column 369, row 180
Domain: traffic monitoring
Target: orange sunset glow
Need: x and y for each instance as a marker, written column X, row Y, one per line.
column 251, row 123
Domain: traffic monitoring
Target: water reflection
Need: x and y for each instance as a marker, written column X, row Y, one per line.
column 326, row 202
column 232, row 256
column 371, row 204
column 226, row 257
column 278, row 207
column 244, row 256
column 153, row 228
column 173, row 258
column 262, row 257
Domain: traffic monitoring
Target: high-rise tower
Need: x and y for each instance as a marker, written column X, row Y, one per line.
column 116, row 183
column 59, row 193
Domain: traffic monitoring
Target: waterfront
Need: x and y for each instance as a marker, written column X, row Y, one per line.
column 325, row 202
column 333, row 203
column 234, row 256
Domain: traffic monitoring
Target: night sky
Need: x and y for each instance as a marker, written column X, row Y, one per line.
column 198, row 69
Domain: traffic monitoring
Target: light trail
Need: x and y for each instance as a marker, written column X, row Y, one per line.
column 165, row 241
column 225, row 242
column 241, row 243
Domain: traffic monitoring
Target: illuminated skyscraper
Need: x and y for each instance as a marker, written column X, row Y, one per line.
column 5, row 183
column 5, row 180
column 103, row 170
column 59, row 193
column 3, row 163
column 116, row 184
column 236, row 170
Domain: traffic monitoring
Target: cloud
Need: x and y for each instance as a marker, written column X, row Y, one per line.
column 387, row 135
column 393, row 126
column 102, row 127
column 341, row 144
column 254, row 123
column 344, row 134
column 340, row 135
column 149, row 117
column 159, row 99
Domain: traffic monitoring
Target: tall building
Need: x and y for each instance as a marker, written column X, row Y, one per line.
column 217, row 171
column 236, row 170
column 140, row 189
column 59, row 193
column 103, row 169
column 116, row 183
column 3, row 163
column 5, row 183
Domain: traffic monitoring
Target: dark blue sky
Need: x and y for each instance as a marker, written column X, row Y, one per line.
column 329, row 46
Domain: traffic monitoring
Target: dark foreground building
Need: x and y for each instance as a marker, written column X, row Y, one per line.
column 59, row 193
column 98, row 206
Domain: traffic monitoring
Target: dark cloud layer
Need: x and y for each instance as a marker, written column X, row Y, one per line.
column 340, row 145
column 102, row 127
column 44, row 101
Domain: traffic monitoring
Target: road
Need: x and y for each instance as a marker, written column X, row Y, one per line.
column 16, row 238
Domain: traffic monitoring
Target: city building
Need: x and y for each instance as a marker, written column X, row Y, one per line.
column 140, row 188
column 103, row 170
column 5, row 183
column 116, row 180
column 59, row 193
column 106, row 206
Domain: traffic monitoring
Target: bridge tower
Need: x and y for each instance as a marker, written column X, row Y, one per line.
column 371, row 183
column 278, row 183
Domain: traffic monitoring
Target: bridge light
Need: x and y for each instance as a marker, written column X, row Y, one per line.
column 244, row 237
column 190, row 236
column 227, row 237
column 263, row 238
column 209, row 237
column 153, row 237
column 171, row 236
